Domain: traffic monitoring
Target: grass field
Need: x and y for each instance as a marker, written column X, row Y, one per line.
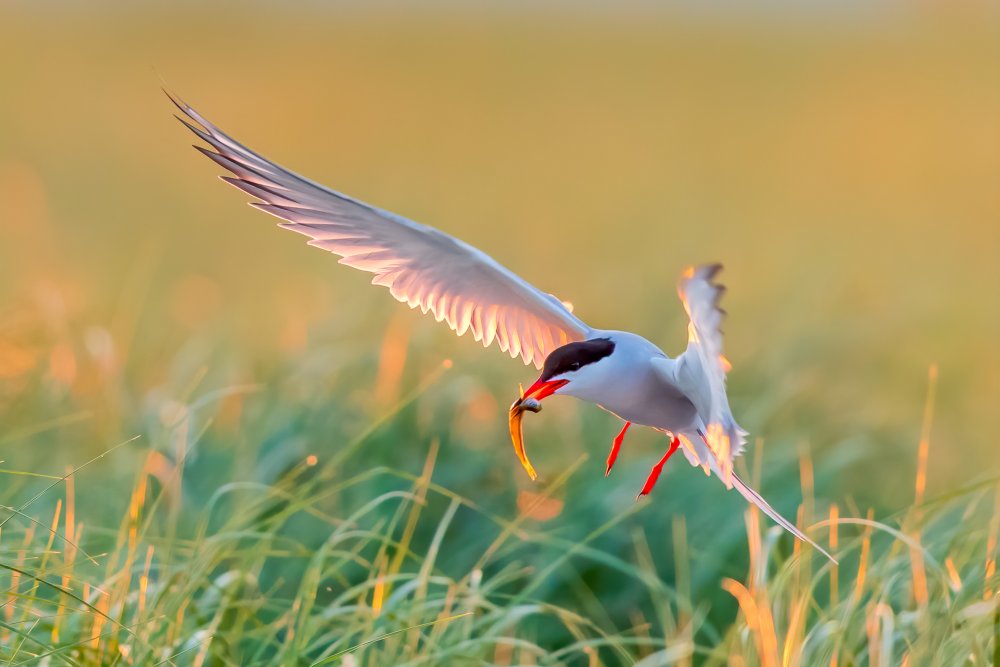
column 218, row 447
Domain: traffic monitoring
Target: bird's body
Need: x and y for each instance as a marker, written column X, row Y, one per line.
column 425, row 268
column 638, row 370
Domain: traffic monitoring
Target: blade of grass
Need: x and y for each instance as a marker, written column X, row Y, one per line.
column 70, row 473
column 328, row 660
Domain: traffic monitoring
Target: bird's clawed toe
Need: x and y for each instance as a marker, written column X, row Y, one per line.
column 654, row 474
column 615, row 446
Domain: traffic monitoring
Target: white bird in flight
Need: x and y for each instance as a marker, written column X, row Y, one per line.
column 621, row 372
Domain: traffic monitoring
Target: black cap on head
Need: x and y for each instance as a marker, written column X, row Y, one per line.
column 574, row 356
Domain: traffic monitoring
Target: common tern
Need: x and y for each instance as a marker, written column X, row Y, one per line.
column 621, row 372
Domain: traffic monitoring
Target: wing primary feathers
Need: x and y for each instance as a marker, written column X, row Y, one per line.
column 251, row 188
column 702, row 367
column 421, row 266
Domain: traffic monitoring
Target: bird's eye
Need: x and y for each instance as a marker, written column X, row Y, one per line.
column 574, row 366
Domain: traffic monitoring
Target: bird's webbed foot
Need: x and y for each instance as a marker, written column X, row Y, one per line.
column 615, row 446
column 654, row 474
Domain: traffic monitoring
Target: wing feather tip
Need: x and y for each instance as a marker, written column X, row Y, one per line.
column 177, row 101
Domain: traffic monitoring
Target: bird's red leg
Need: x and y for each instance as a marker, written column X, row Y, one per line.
column 615, row 446
column 654, row 474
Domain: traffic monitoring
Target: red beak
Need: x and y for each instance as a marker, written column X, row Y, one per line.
column 541, row 388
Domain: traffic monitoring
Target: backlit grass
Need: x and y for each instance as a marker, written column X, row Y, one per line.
column 322, row 563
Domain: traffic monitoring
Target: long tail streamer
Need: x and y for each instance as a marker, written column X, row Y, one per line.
column 755, row 498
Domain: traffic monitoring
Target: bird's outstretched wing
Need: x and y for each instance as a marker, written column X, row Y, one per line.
column 701, row 369
column 421, row 266
column 700, row 372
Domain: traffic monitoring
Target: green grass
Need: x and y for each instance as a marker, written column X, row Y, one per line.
column 333, row 558
column 293, row 473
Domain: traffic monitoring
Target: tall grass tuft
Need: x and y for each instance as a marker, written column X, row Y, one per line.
column 380, row 566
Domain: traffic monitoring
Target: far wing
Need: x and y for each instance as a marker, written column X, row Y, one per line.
column 420, row 265
column 701, row 370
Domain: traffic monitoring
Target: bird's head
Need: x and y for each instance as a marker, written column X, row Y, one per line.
column 566, row 365
column 571, row 363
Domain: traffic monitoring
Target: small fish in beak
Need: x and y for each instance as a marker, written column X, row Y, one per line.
column 517, row 409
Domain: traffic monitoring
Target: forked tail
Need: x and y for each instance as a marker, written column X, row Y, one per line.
column 755, row 498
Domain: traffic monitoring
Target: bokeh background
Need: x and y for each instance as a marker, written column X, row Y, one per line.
column 842, row 161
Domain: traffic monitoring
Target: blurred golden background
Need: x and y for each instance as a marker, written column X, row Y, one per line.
column 842, row 161
column 843, row 165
